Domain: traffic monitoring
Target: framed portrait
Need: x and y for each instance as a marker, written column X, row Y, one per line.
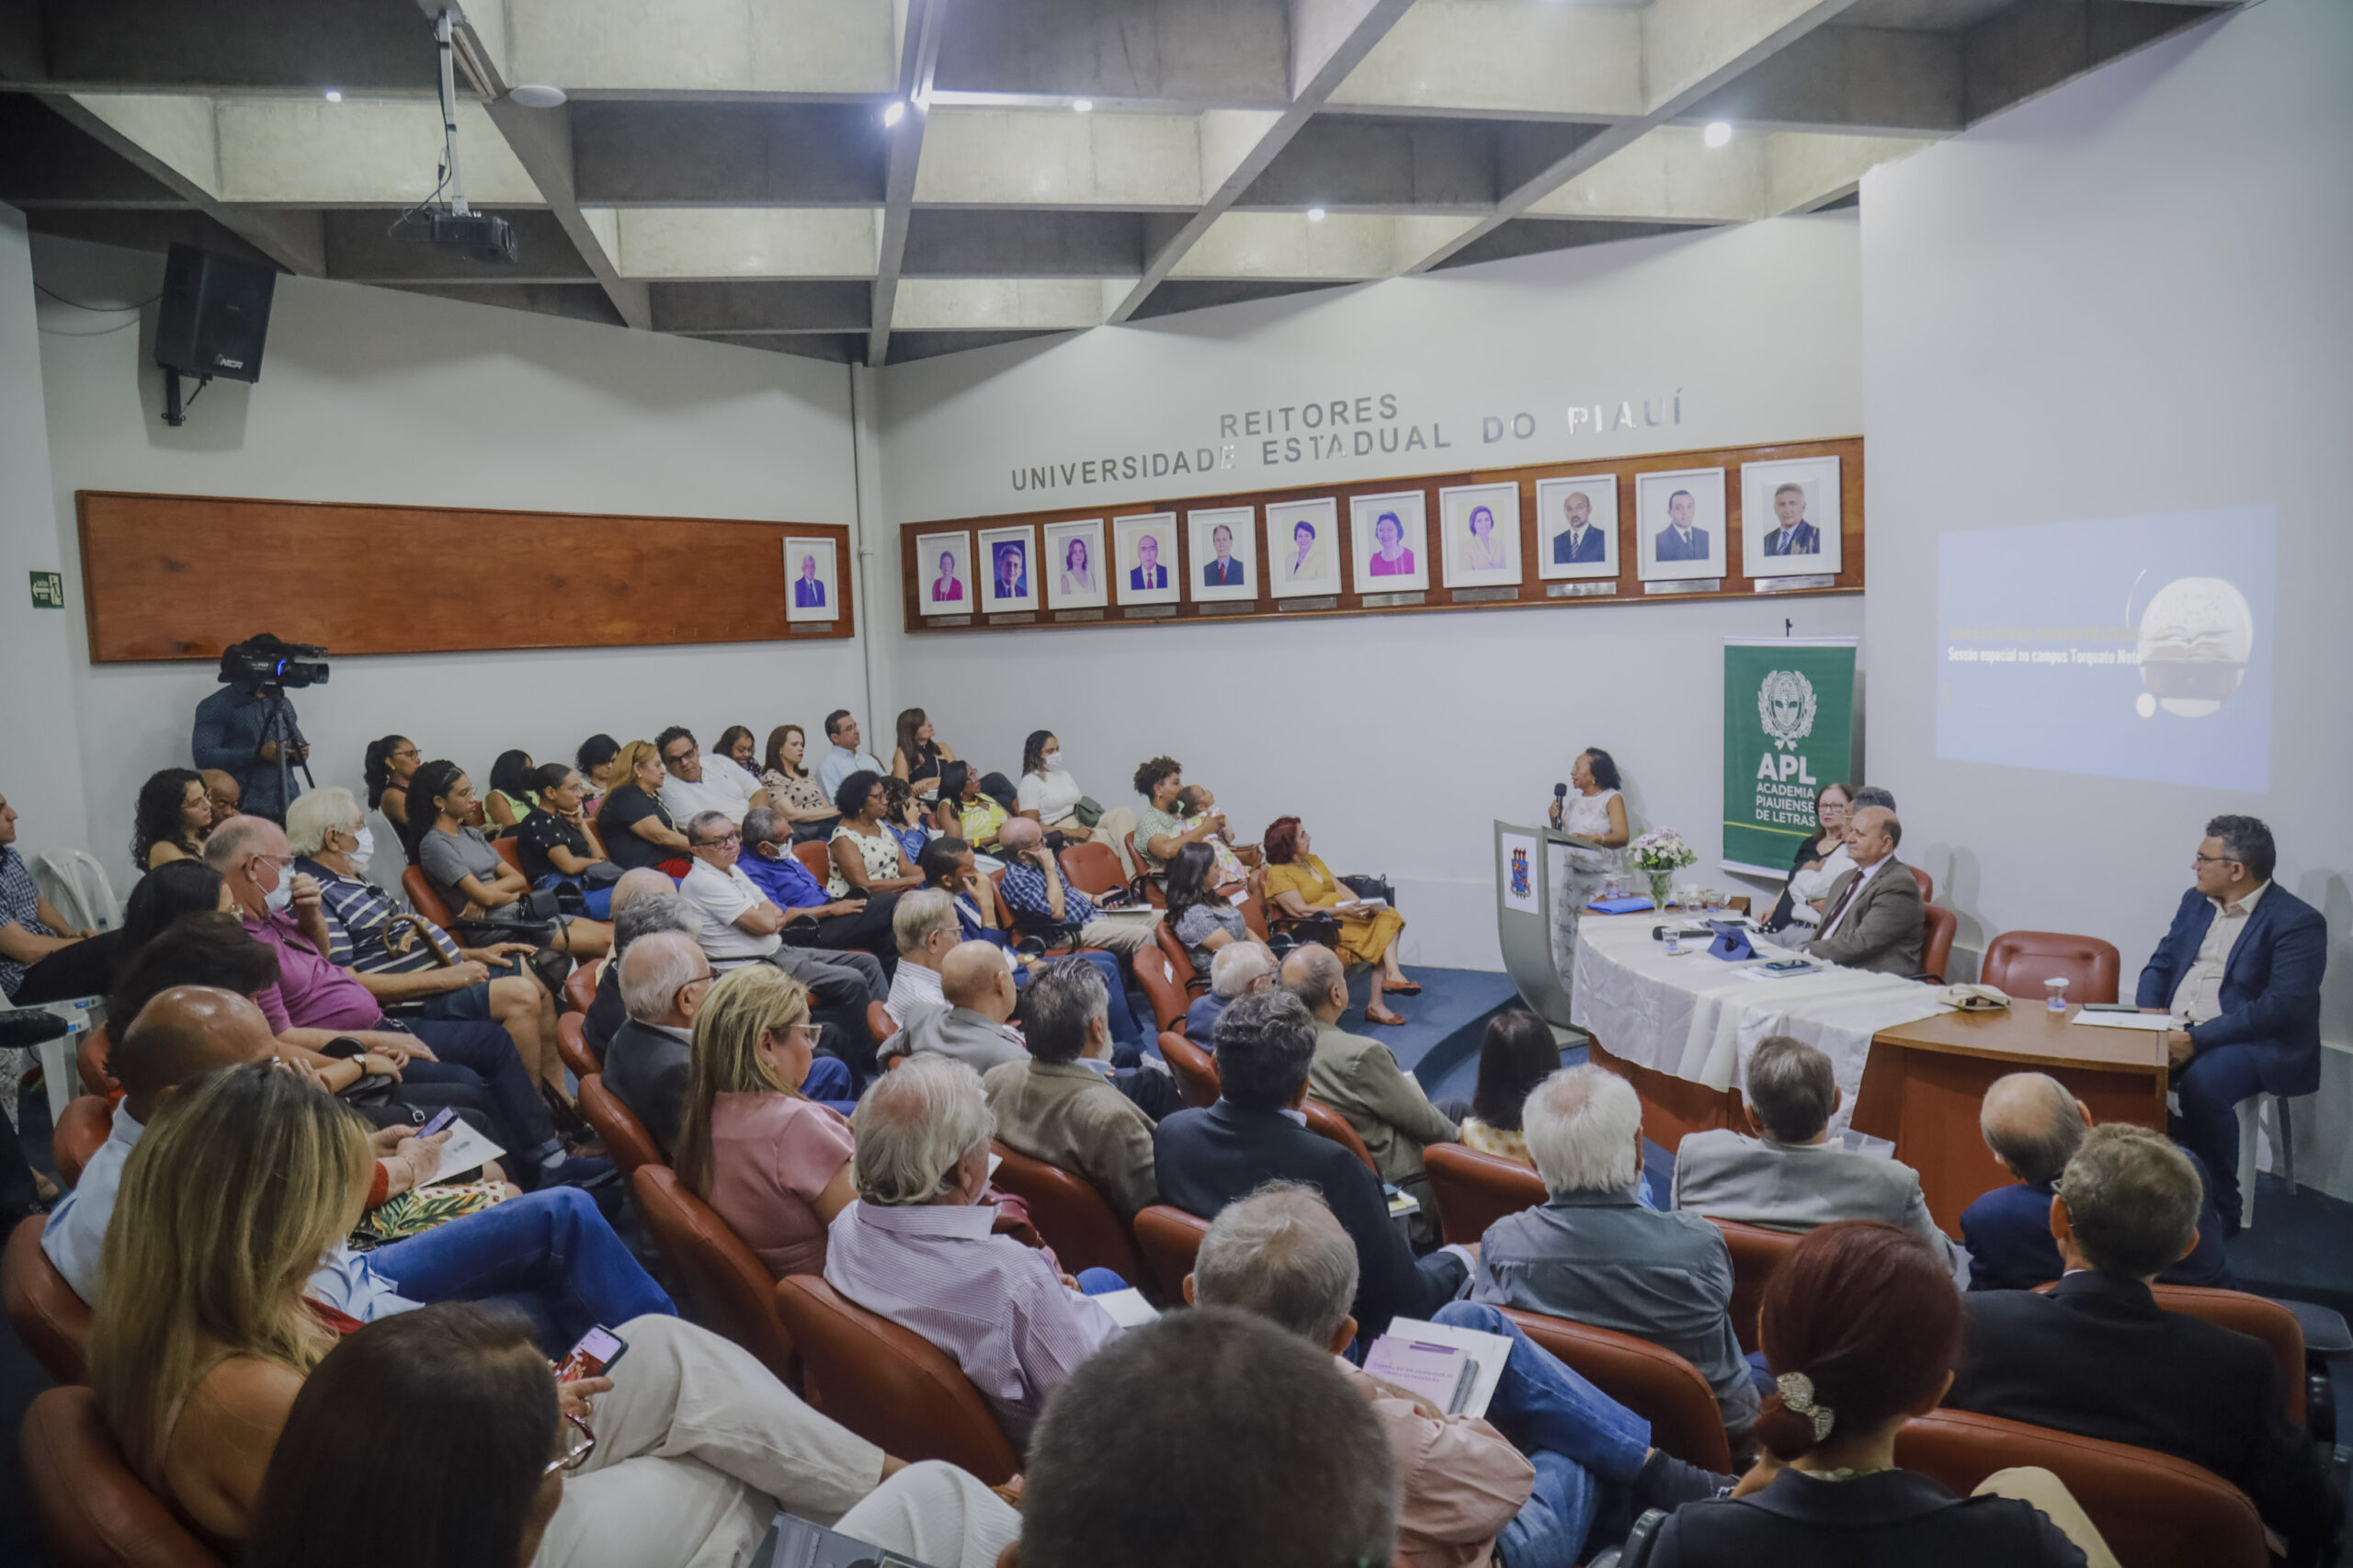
column 1009, row 557
column 816, row 584
column 1789, row 518
column 1304, row 547
column 1076, row 569
column 1679, row 523
column 1576, row 527
column 943, row 566
column 1149, row 574
column 1225, row 554
column 1480, row 529
column 1390, row 536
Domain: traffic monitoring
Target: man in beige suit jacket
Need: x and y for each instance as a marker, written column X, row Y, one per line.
column 1875, row 917
column 1060, row 1105
column 1360, row 1079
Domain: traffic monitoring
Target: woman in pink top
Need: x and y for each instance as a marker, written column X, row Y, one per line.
column 773, row 1165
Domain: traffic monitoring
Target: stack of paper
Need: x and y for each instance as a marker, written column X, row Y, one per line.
column 1455, row 1369
column 466, row 1152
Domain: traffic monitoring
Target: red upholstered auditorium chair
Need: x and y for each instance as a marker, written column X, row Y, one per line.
column 1654, row 1384
column 509, row 849
column 816, row 860
column 90, row 1064
column 1092, row 868
column 879, row 1022
column 422, row 899
column 1180, row 963
column 2018, row 963
column 625, row 1137
column 580, row 985
column 725, row 1282
column 93, row 1512
column 47, row 1316
column 571, row 1045
column 1162, row 988
column 1474, row 1189
column 1939, row 924
column 2256, row 1315
column 1170, row 1239
column 1755, row 1253
column 1928, row 883
column 2154, row 1510
column 83, row 1127
column 1325, row 1122
column 1194, row 1069
column 891, row 1386
column 1083, row 1229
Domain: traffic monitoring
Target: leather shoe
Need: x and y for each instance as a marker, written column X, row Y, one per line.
column 24, row 1027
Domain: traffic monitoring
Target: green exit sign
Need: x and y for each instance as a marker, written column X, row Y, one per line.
column 48, row 590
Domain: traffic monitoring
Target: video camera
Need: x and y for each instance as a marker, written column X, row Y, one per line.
column 265, row 661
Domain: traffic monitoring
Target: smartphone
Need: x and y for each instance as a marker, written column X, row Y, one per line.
column 1786, row 965
column 592, row 1357
column 447, row 1115
column 794, row 1542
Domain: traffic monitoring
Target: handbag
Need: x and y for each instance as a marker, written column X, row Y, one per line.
column 1371, row 887
column 1087, row 809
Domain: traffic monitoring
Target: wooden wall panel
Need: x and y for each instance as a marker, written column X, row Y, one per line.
column 183, row 576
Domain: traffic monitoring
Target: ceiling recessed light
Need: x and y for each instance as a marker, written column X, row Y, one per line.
column 335, row 94
column 1717, row 134
column 1315, row 214
column 893, row 113
column 536, row 95
column 1084, row 106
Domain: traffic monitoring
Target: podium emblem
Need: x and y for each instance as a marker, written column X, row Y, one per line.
column 1519, row 883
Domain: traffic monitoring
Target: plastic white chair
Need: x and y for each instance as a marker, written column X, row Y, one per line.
column 76, row 884
column 2283, row 1148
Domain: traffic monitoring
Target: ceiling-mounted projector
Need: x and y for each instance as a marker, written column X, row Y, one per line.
column 476, row 235
column 453, row 225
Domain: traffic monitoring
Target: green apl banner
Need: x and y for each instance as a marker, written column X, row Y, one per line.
column 1788, row 730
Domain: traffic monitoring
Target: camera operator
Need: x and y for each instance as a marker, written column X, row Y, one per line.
column 248, row 729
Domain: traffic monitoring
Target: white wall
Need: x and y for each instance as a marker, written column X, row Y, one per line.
column 2127, row 296
column 1399, row 738
column 370, row 394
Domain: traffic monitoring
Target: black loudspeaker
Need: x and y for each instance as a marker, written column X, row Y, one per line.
column 215, row 314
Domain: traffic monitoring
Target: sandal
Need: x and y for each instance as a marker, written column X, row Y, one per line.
column 1402, row 987
column 1383, row 1017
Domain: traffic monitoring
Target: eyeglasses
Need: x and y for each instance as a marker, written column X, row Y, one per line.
column 579, row 1442
column 2210, row 860
column 721, row 842
column 681, row 757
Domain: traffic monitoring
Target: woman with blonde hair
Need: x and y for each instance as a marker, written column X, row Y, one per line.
column 632, row 824
column 773, row 1163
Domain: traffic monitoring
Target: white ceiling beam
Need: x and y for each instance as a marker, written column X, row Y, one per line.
column 1671, row 176
column 1340, row 247
column 1504, row 57
column 1052, row 157
column 919, row 26
column 716, row 242
column 1005, row 304
column 295, row 241
column 704, row 46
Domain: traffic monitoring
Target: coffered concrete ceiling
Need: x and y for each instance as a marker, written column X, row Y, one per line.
column 873, row 180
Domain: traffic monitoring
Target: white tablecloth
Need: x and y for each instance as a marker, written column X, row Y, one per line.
column 1698, row 1017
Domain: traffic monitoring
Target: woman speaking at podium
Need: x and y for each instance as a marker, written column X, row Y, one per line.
column 1596, row 812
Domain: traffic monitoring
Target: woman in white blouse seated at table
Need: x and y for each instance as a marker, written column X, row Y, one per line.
column 1047, row 794
column 1820, row 861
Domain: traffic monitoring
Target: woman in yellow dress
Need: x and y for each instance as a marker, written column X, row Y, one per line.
column 1298, row 884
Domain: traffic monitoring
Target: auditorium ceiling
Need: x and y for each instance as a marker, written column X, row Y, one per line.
column 879, row 180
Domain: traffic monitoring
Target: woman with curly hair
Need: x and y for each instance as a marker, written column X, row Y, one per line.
column 171, row 820
column 1159, row 832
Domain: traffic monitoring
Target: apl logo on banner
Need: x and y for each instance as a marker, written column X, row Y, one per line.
column 1788, row 728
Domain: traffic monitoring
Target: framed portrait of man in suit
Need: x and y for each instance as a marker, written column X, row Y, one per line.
column 1480, row 527
column 943, row 568
column 1679, row 523
column 1225, row 554
column 1304, row 547
column 813, row 589
column 1391, row 539
column 1148, row 573
column 1076, row 575
column 1789, row 518
column 1009, row 558
column 1576, row 527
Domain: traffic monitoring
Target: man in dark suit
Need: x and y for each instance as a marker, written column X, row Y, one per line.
column 1012, row 572
column 2240, row 972
column 2034, row 1124
column 1580, row 543
column 2100, row 1358
column 1795, row 536
column 1257, row 1133
column 1679, row 540
column 808, row 590
column 1148, row 573
column 1875, row 917
column 663, row 980
column 1224, row 570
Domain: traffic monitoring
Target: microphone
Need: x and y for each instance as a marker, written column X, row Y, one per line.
column 1560, row 792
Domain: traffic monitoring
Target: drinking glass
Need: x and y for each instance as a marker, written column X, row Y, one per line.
column 2057, row 988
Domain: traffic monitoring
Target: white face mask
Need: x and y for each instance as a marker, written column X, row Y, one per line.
column 363, row 852
column 281, row 895
column 1053, row 759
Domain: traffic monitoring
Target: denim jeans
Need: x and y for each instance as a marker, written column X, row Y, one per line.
column 549, row 1254
column 485, row 1052
column 829, row 1085
column 1099, row 1281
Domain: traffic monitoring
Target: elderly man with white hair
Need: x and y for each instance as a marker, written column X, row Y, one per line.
column 917, row 1247
column 644, row 902
column 1526, row 1480
column 1596, row 1254
column 1239, row 969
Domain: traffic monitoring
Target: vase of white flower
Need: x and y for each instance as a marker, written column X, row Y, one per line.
column 1659, row 853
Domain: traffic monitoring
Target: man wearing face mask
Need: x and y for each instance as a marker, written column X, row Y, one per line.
column 413, row 967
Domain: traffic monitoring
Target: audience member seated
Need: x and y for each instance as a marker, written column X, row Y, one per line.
column 1159, row 834
column 1596, row 1254
column 1205, row 1159
column 1201, row 917
column 549, row 1253
column 1360, row 1079
column 948, row 864
column 867, row 857
column 1038, row 894
column 1523, row 1485
column 903, row 815
column 860, row 920
column 916, row 1246
column 666, row 979
column 737, row 745
column 595, row 759
column 1793, row 1175
column 632, row 824
column 1238, row 969
column 559, row 846
column 843, row 756
column 654, row 898
column 1047, row 794
column 964, row 812
column 1058, row 1103
column 1518, row 1054
column 1195, row 801
column 1874, row 919
column 42, row 958
column 387, row 766
column 919, row 755
column 792, row 789
column 2240, row 972
column 1821, row 859
column 2098, row 1355
column 2034, row 1124
column 969, row 1022
column 1861, row 1328
column 173, row 816
column 696, row 783
column 476, row 881
column 1299, row 884
column 923, row 926
column 754, row 1142
column 223, row 791
column 509, row 800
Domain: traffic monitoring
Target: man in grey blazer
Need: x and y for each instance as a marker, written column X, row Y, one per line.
column 1875, row 917
column 1362, row 1080
column 977, row 988
column 1060, row 1105
column 1791, row 1176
